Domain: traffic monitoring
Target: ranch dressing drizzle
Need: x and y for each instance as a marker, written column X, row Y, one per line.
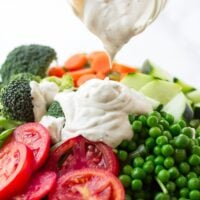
column 115, row 22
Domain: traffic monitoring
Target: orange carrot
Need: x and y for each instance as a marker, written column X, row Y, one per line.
column 76, row 62
column 85, row 78
column 56, row 71
column 100, row 75
column 99, row 62
column 78, row 73
column 122, row 69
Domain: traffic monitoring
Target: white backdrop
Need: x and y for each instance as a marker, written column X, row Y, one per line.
column 172, row 41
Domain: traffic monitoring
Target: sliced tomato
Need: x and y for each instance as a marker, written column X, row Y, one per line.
column 37, row 138
column 15, row 168
column 78, row 153
column 39, row 186
column 88, row 184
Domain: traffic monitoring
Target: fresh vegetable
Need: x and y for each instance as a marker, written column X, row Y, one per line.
column 55, row 110
column 56, row 71
column 25, row 76
column 76, row 62
column 66, row 157
column 34, row 59
column 157, row 161
column 123, row 69
column 37, row 138
column 88, row 184
column 16, row 101
column 38, row 187
column 99, row 62
column 15, row 168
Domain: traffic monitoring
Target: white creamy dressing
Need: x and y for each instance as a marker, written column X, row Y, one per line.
column 42, row 95
column 115, row 22
column 99, row 111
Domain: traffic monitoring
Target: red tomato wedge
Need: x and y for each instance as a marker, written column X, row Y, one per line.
column 39, row 186
column 37, row 138
column 78, row 153
column 88, row 184
column 15, row 168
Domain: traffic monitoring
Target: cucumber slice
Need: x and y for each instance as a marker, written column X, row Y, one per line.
column 162, row 91
column 136, row 80
column 185, row 87
column 149, row 68
column 179, row 108
column 194, row 96
column 155, row 104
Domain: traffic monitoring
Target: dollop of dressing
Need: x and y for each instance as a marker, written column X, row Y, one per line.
column 115, row 22
column 99, row 111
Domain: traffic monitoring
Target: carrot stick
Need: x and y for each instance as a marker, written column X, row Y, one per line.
column 56, row 71
column 76, row 62
column 123, row 69
column 99, row 62
column 78, row 73
column 85, row 78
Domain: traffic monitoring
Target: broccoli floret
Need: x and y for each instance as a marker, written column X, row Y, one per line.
column 16, row 101
column 55, row 110
column 34, row 59
column 25, row 76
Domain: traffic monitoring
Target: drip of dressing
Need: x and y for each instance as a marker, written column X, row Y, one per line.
column 115, row 22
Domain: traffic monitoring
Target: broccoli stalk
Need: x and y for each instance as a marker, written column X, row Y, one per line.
column 33, row 59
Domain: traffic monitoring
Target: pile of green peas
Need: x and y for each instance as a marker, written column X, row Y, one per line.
column 162, row 161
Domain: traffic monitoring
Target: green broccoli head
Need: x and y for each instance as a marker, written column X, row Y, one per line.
column 34, row 59
column 55, row 110
column 16, row 101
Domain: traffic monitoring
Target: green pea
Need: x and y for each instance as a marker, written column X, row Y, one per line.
column 138, row 162
column 143, row 119
column 131, row 118
column 167, row 150
column 136, row 185
column 159, row 160
column 128, row 197
column 150, row 142
column 124, row 144
column 196, row 150
column 196, row 169
column 171, row 187
column 187, row 131
column 163, row 175
column 181, row 181
column 158, row 168
column 156, row 113
column 157, row 150
column 191, row 175
column 148, row 167
column 169, row 118
column 164, row 123
column 155, row 132
column 169, row 162
column 182, row 141
column 161, row 140
column 182, row 123
column 127, row 169
column 175, row 129
column 194, row 184
column 162, row 196
column 194, row 195
column 132, row 146
column 138, row 173
column 125, row 180
column 137, row 126
column 184, row 167
column 180, row 155
column 122, row 155
column 184, row 192
column 167, row 134
column 174, row 173
column 152, row 121
column 150, row 157
column 194, row 160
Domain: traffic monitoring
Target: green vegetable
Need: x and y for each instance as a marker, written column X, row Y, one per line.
column 16, row 101
column 34, row 59
column 55, row 110
column 25, row 76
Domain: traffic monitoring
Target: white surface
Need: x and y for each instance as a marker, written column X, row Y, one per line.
column 172, row 41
